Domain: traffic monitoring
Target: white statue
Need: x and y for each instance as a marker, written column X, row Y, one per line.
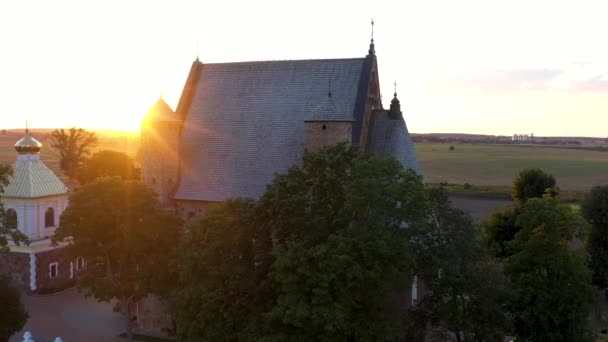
column 27, row 337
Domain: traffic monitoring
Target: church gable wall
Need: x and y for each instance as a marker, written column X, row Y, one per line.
column 320, row 134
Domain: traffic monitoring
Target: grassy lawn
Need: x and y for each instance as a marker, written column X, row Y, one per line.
column 495, row 166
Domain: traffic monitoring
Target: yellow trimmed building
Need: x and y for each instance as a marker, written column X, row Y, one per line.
column 35, row 198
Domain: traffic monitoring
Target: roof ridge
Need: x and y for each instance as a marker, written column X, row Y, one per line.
column 287, row 60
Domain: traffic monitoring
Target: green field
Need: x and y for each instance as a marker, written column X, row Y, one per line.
column 497, row 165
column 480, row 165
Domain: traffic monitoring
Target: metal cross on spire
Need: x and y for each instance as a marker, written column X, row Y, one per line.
column 372, row 30
column 395, row 84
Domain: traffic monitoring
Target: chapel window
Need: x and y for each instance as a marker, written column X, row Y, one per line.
column 80, row 264
column 49, row 217
column 53, row 270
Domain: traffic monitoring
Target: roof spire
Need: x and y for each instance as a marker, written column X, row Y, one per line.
column 395, row 89
column 329, row 87
column 395, row 104
column 27, row 126
column 198, row 60
column 372, row 49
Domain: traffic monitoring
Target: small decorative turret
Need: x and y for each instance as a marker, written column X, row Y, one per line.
column 28, row 144
column 395, row 110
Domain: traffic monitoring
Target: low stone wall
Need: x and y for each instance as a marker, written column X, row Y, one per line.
column 17, row 267
column 66, row 274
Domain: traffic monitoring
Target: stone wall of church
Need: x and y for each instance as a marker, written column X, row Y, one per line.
column 326, row 133
column 16, row 266
column 66, row 270
column 159, row 157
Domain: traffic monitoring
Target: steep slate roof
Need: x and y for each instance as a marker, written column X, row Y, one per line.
column 327, row 111
column 33, row 179
column 246, row 122
column 389, row 136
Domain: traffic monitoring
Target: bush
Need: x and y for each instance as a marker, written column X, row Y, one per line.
column 452, row 148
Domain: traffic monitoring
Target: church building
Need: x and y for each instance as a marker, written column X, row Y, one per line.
column 238, row 124
column 34, row 200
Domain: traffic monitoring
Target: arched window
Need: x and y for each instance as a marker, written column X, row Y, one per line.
column 11, row 219
column 49, row 217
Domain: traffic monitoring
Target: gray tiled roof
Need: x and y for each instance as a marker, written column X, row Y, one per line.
column 327, row 111
column 32, row 179
column 246, row 122
column 389, row 136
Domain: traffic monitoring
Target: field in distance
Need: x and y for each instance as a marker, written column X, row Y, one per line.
column 108, row 140
column 497, row 165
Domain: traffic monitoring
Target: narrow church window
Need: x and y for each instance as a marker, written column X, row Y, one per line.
column 324, row 127
column 80, row 264
column 49, row 217
column 53, row 270
column 11, row 219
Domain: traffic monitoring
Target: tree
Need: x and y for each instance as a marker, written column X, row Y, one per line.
column 531, row 183
column 322, row 255
column 552, row 283
column 500, row 228
column 126, row 238
column 108, row 163
column 224, row 262
column 13, row 315
column 8, row 225
column 74, row 146
column 467, row 291
column 595, row 210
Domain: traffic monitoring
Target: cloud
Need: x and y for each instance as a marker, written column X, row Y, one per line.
column 580, row 77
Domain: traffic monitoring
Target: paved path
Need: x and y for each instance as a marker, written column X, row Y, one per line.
column 71, row 316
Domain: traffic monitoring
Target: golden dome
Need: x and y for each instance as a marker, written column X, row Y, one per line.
column 28, row 144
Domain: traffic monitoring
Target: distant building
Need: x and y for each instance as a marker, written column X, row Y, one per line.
column 35, row 198
column 239, row 124
column 523, row 138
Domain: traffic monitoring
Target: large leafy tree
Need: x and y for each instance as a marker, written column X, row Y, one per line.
column 13, row 315
column 467, row 292
column 595, row 210
column 323, row 255
column 128, row 241
column 8, row 224
column 224, row 262
column 553, row 292
column 500, row 228
column 531, row 183
column 74, row 146
column 109, row 164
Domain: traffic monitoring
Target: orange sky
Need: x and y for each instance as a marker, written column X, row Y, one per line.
column 493, row 67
